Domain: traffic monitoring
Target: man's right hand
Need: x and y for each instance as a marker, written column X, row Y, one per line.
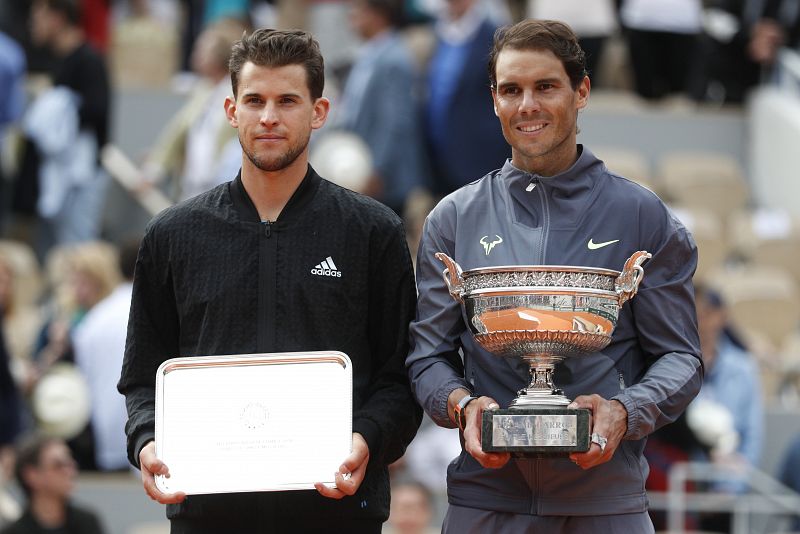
column 152, row 466
column 472, row 434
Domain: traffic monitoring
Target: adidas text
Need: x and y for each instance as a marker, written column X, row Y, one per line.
column 326, row 272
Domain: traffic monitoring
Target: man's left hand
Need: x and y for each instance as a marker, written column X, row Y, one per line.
column 351, row 472
column 609, row 420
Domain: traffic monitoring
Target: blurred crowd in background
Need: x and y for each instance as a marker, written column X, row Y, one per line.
column 412, row 120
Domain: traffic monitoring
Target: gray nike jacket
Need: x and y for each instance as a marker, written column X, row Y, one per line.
column 586, row 216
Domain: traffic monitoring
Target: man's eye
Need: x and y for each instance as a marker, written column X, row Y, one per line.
column 512, row 91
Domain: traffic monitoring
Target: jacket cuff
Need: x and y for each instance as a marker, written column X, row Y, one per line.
column 441, row 416
column 371, row 433
column 633, row 415
column 138, row 445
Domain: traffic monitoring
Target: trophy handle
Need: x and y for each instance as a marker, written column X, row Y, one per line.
column 627, row 283
column 451, row 275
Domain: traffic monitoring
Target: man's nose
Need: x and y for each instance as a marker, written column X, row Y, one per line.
column 530, row 102
column 269, row 115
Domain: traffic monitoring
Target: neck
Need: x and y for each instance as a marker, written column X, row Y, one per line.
column 550, row 164
column 271, row 190
column 67, row 41
column 49, row 511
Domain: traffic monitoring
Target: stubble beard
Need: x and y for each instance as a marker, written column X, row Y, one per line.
column 279, row 162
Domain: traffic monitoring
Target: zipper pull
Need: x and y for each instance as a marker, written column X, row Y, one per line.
column 533, row 184
column 268, row 228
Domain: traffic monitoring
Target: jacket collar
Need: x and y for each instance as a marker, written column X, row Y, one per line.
column 569, row 193
column 300, row 198
column 586, row 164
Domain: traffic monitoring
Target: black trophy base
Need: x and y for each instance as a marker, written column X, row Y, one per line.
column 536, row 431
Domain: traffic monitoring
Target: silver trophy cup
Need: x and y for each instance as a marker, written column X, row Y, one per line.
column 541, row 314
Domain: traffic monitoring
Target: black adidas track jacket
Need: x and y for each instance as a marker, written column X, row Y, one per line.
column 332, row 273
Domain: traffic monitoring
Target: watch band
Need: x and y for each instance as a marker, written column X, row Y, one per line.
column 459, row 412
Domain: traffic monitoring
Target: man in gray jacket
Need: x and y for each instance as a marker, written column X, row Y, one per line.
column 555, row 203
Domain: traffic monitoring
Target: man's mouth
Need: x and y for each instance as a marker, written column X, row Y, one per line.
column 530, row 128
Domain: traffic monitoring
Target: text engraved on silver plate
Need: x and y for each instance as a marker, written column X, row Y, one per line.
column 534, row 430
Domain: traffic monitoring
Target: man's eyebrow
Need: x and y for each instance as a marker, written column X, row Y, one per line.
column 505, row 85
column 257, row 94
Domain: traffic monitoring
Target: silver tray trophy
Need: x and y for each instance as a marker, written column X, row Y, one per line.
column 541, row 314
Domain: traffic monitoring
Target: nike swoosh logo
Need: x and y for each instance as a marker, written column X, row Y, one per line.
column 594, row 246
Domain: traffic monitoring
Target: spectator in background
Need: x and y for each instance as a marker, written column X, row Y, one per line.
column 99, row 342
column 411, row 509
column 732, row 384
column 191, row 146
column 662, row 39
column 12, row 101
column 593, row 22
column 727, row 69
column 780, row 27
column 379, row 102
column 464, row 136
column 46, row 472
column 732, row 375
column 69, row 124
column 88, row 275
column 725, row 423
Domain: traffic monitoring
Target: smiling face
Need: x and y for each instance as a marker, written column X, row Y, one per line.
column 538, row 109
column 275, row 114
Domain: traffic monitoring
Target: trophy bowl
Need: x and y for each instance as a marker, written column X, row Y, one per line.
column 542, row 314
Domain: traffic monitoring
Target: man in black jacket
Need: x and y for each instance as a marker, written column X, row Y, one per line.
column 278, row 260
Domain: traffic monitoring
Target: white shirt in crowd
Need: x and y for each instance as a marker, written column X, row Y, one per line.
column 99, row 342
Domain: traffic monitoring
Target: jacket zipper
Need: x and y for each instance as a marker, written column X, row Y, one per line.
column 536, row 181
column 267, row 288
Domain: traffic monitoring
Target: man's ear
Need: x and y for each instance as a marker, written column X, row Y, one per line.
column 230, row 111
column 321, row 107
column 583, row 90
column 494, row 102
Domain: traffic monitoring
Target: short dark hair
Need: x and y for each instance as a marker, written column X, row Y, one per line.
column 69, row 9
column 278, row 48
column 541, row 35
column 29, row 454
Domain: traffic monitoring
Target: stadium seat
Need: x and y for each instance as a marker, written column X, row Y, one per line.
column 767, row 237
column 703, row 180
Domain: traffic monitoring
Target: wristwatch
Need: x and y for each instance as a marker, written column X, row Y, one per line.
column 459, row 412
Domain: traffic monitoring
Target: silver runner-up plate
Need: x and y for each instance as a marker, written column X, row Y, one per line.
column 253, row 422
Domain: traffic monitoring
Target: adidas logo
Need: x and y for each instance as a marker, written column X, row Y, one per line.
column 327, row 268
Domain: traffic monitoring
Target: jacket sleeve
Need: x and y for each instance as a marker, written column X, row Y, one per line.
column 153, row 335
column 666, row 323
column 389, row 417
column 434, row 364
